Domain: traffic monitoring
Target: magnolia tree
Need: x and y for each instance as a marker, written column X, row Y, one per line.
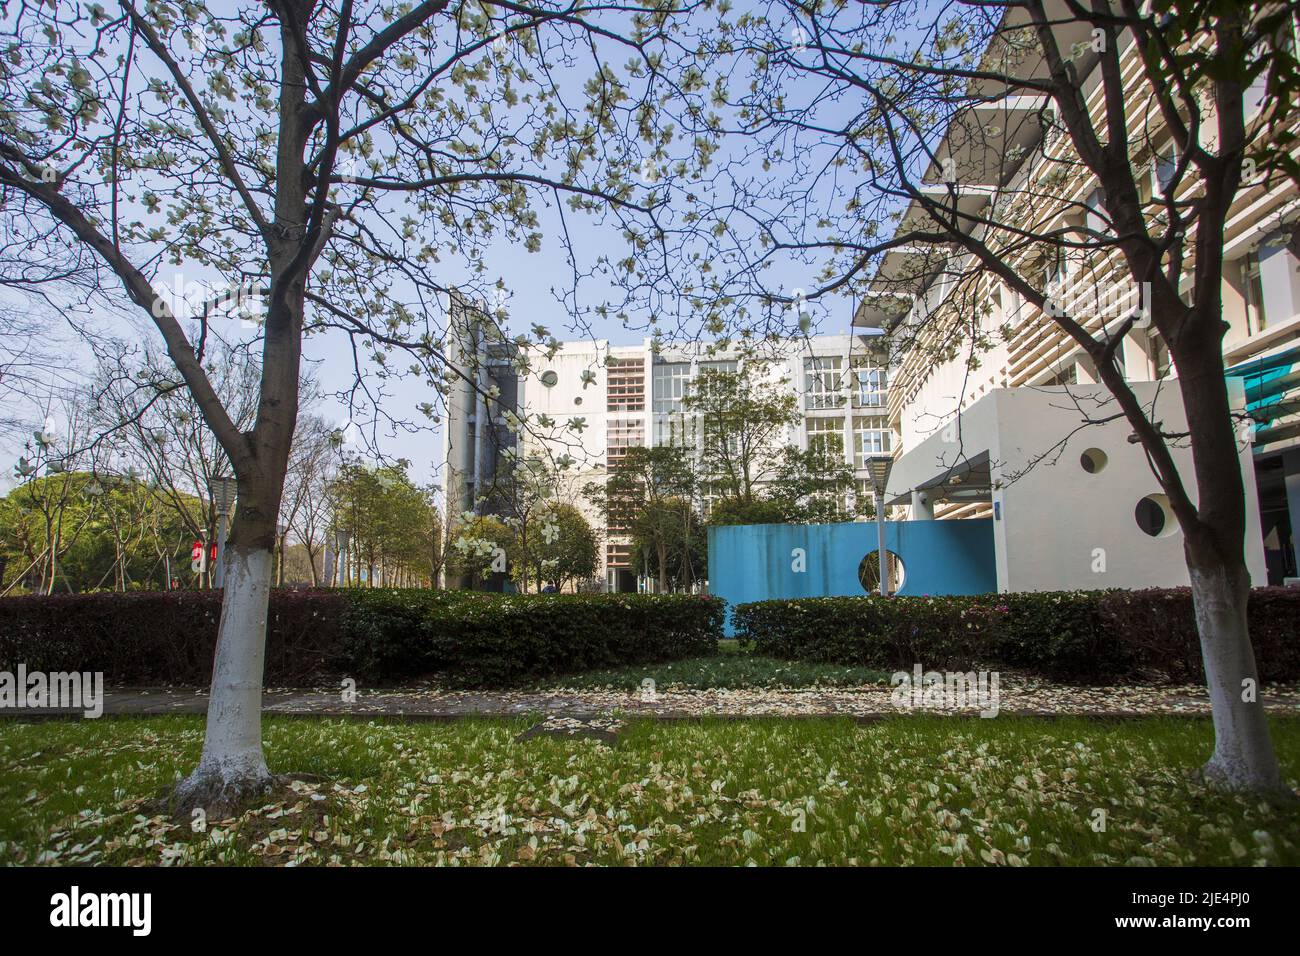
column 310, row 167
column 1039, row 151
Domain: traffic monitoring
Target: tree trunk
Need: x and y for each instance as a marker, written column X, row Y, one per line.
column 1243, row 756
column 1214, row 545
column 662, row 549
column 232, row 767
column 688, row 572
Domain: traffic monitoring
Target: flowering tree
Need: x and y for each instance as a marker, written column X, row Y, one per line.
column 312, row 165
column 933, row 155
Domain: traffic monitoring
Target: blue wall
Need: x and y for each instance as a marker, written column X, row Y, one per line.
column 755, row 562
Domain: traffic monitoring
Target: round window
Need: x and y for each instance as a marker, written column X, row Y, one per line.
column 869, row 572
column 1093, row 460
column 1154, row 516
column 549, row 378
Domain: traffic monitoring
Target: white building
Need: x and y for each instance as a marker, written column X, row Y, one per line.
column 590, row 401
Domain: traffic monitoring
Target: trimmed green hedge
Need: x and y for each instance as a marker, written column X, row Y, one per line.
column 1084, row 636
column 485, row 643
column 377, row 635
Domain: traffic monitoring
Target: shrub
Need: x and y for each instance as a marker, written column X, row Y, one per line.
column 1060, row 635
column 868, row 632
column 379, row 635
column 1084, row 636
column 1159, row 628
column 385, row 632
column 165, row 637
column 499, row 642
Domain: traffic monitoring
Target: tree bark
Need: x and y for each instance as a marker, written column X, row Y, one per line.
column 1214, row 545
column 232, row 767
column 1243, row 756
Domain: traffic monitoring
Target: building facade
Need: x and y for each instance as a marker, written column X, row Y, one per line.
column 985, row 405
column 586, row 403
column 931, row 301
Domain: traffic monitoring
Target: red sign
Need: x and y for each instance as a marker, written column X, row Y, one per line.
column 196, row 551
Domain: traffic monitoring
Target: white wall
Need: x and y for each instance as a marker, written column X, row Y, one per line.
column 1063, row 528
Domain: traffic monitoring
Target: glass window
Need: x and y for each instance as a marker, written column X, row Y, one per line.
column 1165, row 168
column 825, row 435
column 625, row 385
column 871, row 437
column 669, row 386
column 675, row 429
column 869, row 386
column 822, row 382
column 1160, row 359
column 1096, row 217
column 1255, row 295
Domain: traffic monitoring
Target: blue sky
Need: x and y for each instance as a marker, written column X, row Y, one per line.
column 532, row 282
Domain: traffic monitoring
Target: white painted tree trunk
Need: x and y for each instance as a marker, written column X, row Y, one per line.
column 232, row 765
column 1243, row 750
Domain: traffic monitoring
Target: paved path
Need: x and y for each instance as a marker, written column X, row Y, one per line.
column 416, row 703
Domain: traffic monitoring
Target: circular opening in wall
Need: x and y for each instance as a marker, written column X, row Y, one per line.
column 869, row 572
column 1093, row 460
column 549, row 378
column 578, row 400
column 1153, row 516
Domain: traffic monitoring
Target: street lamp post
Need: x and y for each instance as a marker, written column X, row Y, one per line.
column 879, row 467
column 224, row 492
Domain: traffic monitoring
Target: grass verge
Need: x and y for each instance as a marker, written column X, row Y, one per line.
column 733, row 668
column 911, row 790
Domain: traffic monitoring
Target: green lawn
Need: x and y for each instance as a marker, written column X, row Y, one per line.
column 907, row 790
column 734, row 668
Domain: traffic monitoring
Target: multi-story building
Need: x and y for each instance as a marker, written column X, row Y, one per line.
column 980, row 406
column 935, row 389
column 588, row 402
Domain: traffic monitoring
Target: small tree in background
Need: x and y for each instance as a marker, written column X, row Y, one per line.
column 565, row 550
column 813, row 486
column 745, row 417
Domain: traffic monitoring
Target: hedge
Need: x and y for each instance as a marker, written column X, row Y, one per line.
column 165, row 637
column 1096, row 637
column 376, row 635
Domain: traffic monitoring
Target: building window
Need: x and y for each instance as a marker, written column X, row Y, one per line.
column 675, row 429
column 1166, row 166
column 822, row 382
column 620, row 435
column 869, row 386
column 1255, row 295
column 1069, row 375
column 825, row 435
column 871, row 437
column 670, row 382
column 1095, row 219
column 1161, row 362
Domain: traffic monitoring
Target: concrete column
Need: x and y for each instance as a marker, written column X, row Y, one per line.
column 922, row 506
